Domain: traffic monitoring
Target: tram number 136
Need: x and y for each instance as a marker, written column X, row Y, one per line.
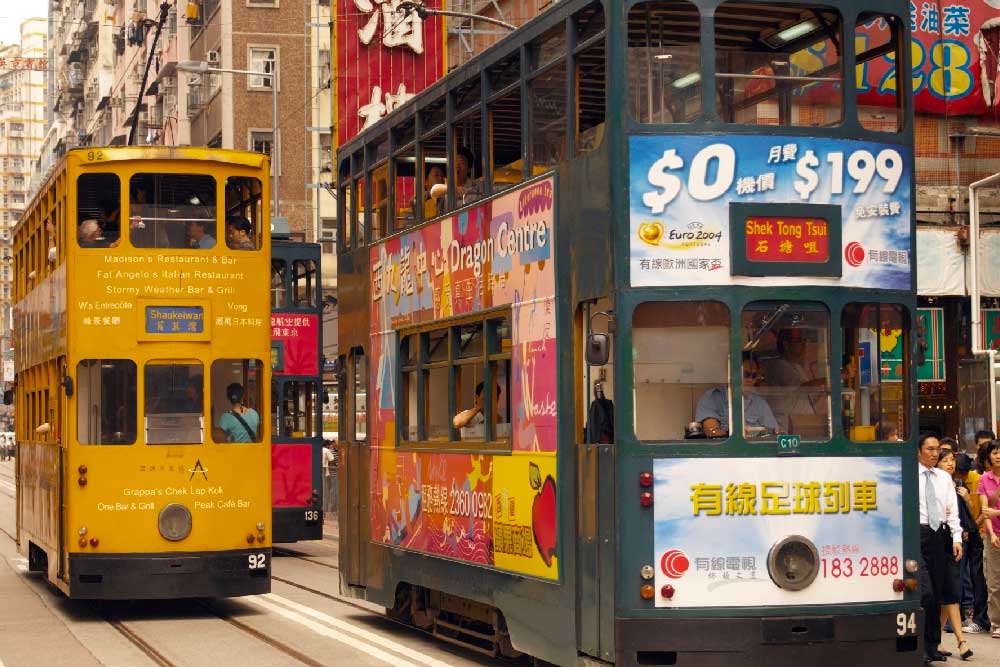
column 906, row 623
column 257, row 561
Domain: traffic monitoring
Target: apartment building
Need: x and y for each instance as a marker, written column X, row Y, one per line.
column 108, row 52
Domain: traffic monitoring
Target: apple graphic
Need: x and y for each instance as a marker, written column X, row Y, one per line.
column 543, row 514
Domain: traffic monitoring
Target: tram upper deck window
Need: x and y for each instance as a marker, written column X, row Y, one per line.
column 778, row 64
column 591, row 78
column 874, row 374
column 790, row 370
column 664, row 62
column 279, row 290
column 175, row 402
column 877, row 37
column 680, row 368
column 172, row 211
column 305, row 284
column 244, row 213
column 106, row 402
column 98, row 210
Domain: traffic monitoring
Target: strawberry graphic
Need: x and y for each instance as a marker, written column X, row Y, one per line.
column 543, row 514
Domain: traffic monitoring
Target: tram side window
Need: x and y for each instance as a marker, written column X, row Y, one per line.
column 279, row 290
column 874, row 372
column 591, row 78
column 785, row 70
column 174, row 403
column 236, row 400
column 299, row 410
column 172, row 211
column 106, row 402
column 305, row 284
column 244, row 213
column 876, row 39
column 506, row 126
column 664, row 62
column 547, row 98
column 680, row 368
column 98, row 210
column 360, row 397
column 786, row 386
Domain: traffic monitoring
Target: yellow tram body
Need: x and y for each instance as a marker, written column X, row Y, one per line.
column 134, row 477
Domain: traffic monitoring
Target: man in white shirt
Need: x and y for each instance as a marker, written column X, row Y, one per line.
column 940, row 539
column 329, row 476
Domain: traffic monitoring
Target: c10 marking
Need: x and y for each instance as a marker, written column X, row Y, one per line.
column 257, row 561
column 906, row 624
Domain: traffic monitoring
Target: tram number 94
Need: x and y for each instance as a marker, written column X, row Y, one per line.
column 906, row 623
column 257, row 561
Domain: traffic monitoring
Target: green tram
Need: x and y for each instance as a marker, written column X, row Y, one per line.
column 627, row 314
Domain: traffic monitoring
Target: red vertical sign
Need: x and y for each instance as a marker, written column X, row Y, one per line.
column 385, row 55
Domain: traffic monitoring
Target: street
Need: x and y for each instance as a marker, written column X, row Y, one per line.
column 302, row 622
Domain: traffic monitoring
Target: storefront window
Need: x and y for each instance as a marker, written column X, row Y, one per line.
column 874, row 372
column 681, row 369
column 786, row 370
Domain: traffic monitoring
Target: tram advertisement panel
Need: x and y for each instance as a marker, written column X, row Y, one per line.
column 492, row 509
column 717, row 520
column 817, row 211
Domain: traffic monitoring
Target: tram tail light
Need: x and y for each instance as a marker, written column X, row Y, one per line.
column 83, row 542
column 249, row 538
column 898, row 585
column 646, row 499
column 667, row 591
column 647, row 592
column 646, row 479
column 911, row 584
column 94, row 541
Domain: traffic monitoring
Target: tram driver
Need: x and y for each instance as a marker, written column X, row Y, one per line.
column 712, row 411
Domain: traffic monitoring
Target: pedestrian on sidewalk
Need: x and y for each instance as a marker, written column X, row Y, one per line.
column 330, row 465
column 989, row 496
column 972, row 559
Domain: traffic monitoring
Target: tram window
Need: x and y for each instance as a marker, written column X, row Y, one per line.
column 174, row 403
column 244, row 213
column 876, row 38
column 874, row 373
column 360, row 397
column 782, row 71
column 299, row 408
column 506, row 124
column 790, row 347
column 98, row 210
column 550, row 46
column 279, row 289
column 106, row 402
column 547, row 95
column 275, row 401
column 664, row 62
column 305, row 283
column 410, row 355
column 591, row 82
column 506, row 72
column 680, row 368
column 362, row 207
column 465, row 167
column 172, row 211
column 434, row 166
column 236, row 400
column 380, row 201
column 405, row 187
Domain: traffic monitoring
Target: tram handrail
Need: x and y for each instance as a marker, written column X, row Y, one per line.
column 977, row 342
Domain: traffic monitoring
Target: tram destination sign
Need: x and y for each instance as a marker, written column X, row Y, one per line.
column 175, row 320
column 784, row 239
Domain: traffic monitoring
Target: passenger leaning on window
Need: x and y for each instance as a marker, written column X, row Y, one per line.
column 90, row 235
column 713, row 406
column 474, row 416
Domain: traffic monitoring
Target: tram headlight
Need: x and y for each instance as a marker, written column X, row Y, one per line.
column 175, row 522
column 912, row 566
column 647, row 572
column 793, row 563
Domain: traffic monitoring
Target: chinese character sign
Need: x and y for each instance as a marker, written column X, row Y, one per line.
column 683, row 189
column 716, row 520
column 950, row 53
column 295, row 341
column 386, row 54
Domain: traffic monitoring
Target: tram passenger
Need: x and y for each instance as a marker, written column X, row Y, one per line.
column 789, row 368
column 712, row 410
column 90, row 235
column 109, row 218
column 200, row 235
column 238, row 231
column 466, row 187
column 241, row 423
column 474, row 416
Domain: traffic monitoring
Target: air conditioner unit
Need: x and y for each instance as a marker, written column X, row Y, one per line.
column 212, row 57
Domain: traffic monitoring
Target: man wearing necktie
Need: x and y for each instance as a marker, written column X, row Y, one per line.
column 940, row 539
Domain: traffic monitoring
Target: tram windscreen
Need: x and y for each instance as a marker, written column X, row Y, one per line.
column 786, row 370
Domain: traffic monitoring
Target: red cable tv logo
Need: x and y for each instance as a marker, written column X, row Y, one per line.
column 854, row 253
column 674, row 563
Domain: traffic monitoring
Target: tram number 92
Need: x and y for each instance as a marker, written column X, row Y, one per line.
column 257, row 561
column 906, row 623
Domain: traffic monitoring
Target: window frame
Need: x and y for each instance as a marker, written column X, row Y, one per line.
column 275, row 64
column 491, row 355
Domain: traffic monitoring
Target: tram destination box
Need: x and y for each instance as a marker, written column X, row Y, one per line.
column 770, row 239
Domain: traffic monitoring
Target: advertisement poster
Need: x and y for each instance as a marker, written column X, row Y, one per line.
column 953, row 48
column 716, row 520
column 294, row 344
column 494, row 510
column 681, row 190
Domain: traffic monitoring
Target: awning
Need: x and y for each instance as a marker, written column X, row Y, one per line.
column 940, row 262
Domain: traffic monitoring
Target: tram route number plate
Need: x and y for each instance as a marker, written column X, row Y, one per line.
column 257, row 561
column 906, row 623
column 788, row 444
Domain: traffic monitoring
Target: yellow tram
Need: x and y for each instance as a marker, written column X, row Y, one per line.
column 141, row 344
